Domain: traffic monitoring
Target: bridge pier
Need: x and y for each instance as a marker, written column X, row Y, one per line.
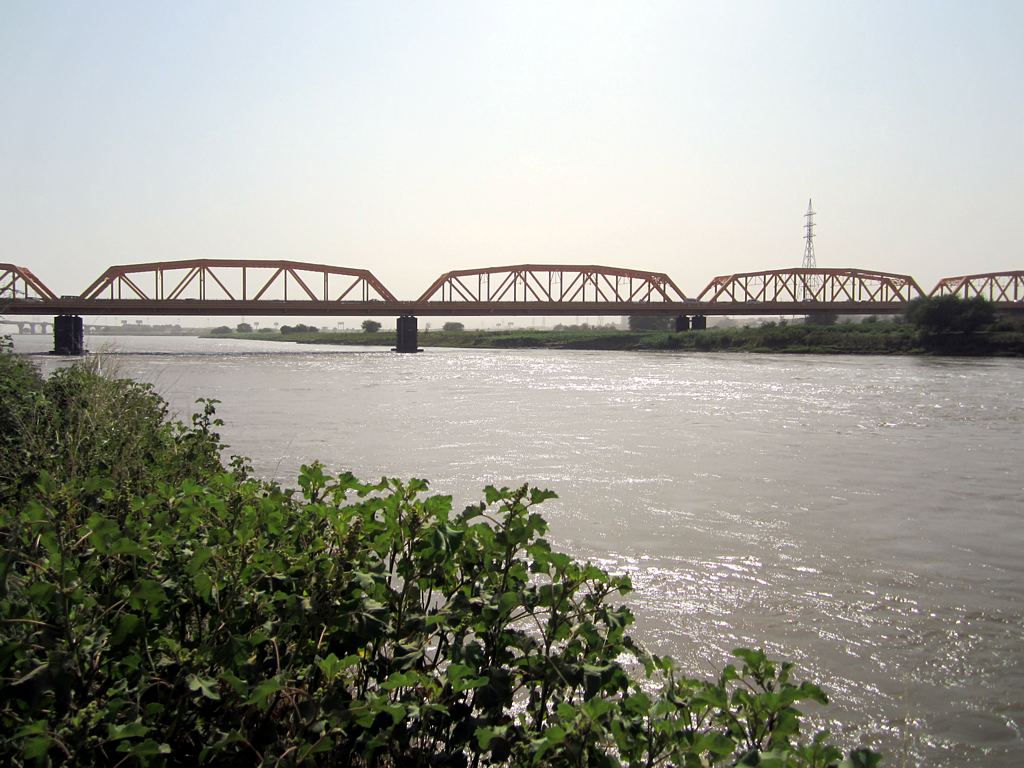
column 407, row 335
column 68, row 335
column 696, row 323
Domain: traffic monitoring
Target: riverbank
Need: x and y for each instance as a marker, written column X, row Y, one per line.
column 868, row 338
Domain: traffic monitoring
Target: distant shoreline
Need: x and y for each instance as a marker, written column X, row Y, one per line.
column 881, row 338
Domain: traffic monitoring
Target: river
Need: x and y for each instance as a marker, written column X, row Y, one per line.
column 861, row 516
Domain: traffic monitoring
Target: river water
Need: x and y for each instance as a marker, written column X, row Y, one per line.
column 861, row 516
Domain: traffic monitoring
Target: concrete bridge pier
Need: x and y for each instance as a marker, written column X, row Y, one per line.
column 68, row 335
column 407, row 335
column 696, row 323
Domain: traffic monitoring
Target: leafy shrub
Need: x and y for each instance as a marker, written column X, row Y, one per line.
column 81, row 423
column 21, row 389
column 950, row 314
column 158, row 617
column 299, row 328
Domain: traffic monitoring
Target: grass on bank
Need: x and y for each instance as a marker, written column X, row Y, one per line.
column 874, row 338
column 160, row 608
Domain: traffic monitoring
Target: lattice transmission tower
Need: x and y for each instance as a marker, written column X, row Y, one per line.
column 811, row 282
column 809, row 260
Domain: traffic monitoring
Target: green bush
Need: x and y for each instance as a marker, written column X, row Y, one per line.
column 300, row 328
column 950, row 314
column 153, row 616
column 20, row 394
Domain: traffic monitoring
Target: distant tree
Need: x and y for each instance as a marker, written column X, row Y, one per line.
column 243, row 328
column 221, row 330
column 453, row 326
column 300, row 328
column 370, row 326
column 649, row 322
column 950, row 314
column 266, row 330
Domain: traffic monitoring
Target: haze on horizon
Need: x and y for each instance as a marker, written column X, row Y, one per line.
column 413, row 138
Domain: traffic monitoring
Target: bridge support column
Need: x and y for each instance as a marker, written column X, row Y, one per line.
column 682, row 323
column 699, row 323
column 68, row 335
column 407, row 335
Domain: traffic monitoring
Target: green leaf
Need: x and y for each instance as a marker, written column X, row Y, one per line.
column 127, row 731
column 400, row 680
column 36, row 747
column 205, row 685
column 147, row 593
column 487, row 734
column 264, row 691
column 332, row 665
column 126, row 625
column 203, row 585
column 554, row 735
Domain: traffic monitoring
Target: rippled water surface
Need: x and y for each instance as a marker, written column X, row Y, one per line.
column 861, row 516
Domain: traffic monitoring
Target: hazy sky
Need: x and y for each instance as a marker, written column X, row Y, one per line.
column 413, row 138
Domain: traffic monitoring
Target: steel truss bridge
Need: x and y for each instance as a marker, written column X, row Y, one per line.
column 291, row 288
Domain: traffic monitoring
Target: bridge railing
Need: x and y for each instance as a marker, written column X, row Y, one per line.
column 19, row 283
column 997, row 287
column 237, row 280
column 822, row 286
column 552, row 284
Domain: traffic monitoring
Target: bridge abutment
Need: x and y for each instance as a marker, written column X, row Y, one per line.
column 68, row 335
column 682, row 323
column 699, row 323
column 408, row 335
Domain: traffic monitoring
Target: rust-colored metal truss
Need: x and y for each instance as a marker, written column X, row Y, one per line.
column 19, row 283
column 819, row 286
column 553, row 284
column 997, row 287
column 239, row 280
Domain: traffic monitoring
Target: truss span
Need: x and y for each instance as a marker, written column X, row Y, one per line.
column 997, row 287
column 552, row 284
column 19, row 283
column 819, row 286
column 239, row 280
